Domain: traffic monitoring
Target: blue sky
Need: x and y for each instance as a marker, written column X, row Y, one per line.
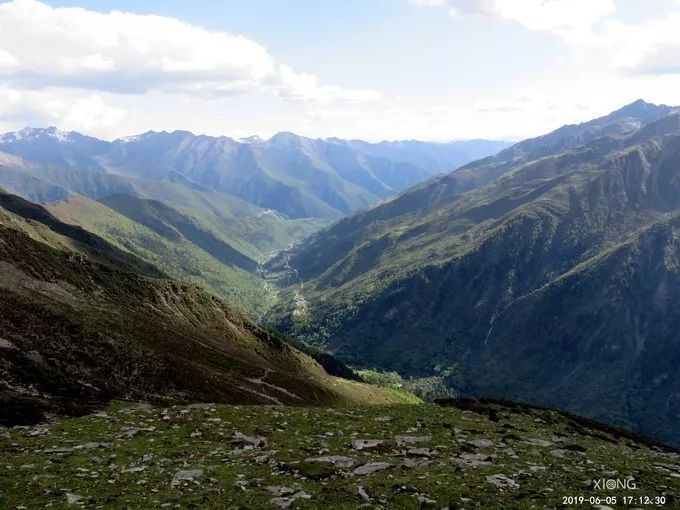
column 378, row 69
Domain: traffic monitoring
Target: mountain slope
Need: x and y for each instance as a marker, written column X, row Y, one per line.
column 179, row 193
column 197, row 241
column 467, row 285
column 432, row 157
column 182, row 247
column 232, row 232
column 81, row 326
column 37, row 222
column 441, row 189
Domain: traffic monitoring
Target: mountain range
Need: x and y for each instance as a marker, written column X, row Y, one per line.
column 548, row 273
column 209, row 210
column 545, row 273
column 297, row 176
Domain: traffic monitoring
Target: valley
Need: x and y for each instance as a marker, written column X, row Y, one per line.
column 517, row 277
column 523, row 270
column 207, row 210
column 366, row 255
column 84, row 322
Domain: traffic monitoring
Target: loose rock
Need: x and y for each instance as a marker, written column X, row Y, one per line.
column 412, row 439
column 286, row 502
column 254, row 441
column 474, row 459
column 73, row 499
column 480, row 443
column 280, row 491
column 426, row 502
column 335, row 460
column 371, row 467
column 421, row 452
column 185, row 476
column 534, row 441
column 362, row 493
column 364, row 444
column 502, row 482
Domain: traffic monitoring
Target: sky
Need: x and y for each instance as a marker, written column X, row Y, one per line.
column 369, row 69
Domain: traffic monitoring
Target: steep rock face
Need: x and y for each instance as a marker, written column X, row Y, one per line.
column 478, row 282
column 82, row 322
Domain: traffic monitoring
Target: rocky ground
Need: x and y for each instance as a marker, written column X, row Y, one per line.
column 411, row 456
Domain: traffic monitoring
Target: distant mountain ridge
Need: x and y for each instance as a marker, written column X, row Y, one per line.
column 547, row 273
column 297, row 176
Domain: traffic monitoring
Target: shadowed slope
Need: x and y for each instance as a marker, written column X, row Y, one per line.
column 475, row 286
column 79, row 329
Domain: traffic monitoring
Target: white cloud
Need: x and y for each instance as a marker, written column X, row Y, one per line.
column 7, row 61
column 87, row 113
column 649, row 48
column 42, row 46
column 567, row 18
column 652, row 47
column 113, row 74
column 572, row 20
column 304, row 85
column 71, row 110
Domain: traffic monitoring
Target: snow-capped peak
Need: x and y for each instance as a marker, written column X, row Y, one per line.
column 128, row 139
column 57, row 134
column 137, row 137
column 32, row 133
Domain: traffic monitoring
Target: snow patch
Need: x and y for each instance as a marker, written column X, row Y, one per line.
column 28, row 133
column 270, row 212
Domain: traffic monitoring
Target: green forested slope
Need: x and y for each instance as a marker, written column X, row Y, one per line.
column 473, row 286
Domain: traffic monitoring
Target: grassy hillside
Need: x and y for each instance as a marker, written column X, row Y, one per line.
column 251, row 229
column 210, row 263
column 220, row 254
column 81, row 326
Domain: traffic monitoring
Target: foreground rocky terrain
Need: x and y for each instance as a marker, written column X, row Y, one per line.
column 467, row 455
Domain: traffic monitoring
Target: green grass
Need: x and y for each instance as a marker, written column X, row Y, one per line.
column 547, row 454
column 218, row 257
